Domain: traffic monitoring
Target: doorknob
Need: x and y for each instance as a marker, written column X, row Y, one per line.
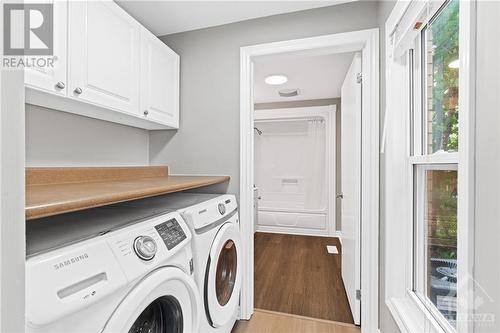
column 340, row 196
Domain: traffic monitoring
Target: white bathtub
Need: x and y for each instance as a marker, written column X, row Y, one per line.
column 288, row 215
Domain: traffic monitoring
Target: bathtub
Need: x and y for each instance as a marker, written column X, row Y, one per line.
column 286, row 214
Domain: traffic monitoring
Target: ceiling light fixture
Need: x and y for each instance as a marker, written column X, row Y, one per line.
column 454, row 64
column 275, row 80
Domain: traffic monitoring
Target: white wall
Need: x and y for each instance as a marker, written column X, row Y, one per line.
column 208, row 140
column 12, row 220
column 56, row 138
column 487, row 222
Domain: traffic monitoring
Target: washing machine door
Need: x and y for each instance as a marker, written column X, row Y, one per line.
column 223, row 276
column 165, row 301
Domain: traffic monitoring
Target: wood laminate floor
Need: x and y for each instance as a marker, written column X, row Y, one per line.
column 264, row 321
column 295, row 274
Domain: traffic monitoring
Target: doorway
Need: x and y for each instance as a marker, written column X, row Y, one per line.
column 365, row 42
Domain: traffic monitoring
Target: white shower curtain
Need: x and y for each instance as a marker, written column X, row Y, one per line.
column 315, row 191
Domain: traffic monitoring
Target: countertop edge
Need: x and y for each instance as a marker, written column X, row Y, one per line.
column 61, row 207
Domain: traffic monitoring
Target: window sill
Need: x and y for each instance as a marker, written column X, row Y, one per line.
column 411, row 315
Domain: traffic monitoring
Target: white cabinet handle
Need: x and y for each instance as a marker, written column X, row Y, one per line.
column 60, row 85
column 146, row 112
column 78, row 90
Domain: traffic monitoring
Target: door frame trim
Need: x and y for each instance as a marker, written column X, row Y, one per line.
column 366, row 41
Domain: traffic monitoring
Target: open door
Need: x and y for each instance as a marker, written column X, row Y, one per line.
column 351, row 186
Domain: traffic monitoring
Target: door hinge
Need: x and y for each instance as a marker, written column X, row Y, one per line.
column 358, row 294
column 359, row 78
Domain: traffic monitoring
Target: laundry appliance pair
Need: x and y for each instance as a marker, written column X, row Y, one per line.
column 163, row 264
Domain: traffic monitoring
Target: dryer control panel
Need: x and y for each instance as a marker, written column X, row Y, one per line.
column 171, row 233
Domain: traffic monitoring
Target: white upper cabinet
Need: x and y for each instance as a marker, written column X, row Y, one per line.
column 159, row 81
column 104, row 48
column 53, row 79
column 108, row 67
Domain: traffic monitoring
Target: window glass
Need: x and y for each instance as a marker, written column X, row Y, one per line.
column 440, row 237
column 440, row 40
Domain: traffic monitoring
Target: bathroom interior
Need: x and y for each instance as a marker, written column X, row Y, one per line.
column 298, row 177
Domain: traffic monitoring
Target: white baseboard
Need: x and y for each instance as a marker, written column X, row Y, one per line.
column 297, row 231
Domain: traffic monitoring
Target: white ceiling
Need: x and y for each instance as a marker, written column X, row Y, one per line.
column 164, row 17
column 315, row 77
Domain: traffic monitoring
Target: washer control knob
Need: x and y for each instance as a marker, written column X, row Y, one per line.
column 145, row 247
column 222, row 208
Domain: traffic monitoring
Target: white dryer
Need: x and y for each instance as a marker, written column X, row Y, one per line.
column 137, row 278
column 217, row 252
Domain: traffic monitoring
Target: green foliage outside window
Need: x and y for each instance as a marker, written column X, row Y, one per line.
column 444, row 31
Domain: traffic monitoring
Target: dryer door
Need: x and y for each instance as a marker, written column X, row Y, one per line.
column 164, row 301
column 223, row 276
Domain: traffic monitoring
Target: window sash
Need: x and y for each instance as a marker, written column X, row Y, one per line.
column 420, row 241
column 419, row 162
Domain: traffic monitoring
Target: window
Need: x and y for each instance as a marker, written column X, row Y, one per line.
column 434, row 142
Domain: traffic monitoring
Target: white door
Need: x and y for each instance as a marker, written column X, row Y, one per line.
column 53, row 79
column 351, row 186
column 159, row 81
column 104, row 48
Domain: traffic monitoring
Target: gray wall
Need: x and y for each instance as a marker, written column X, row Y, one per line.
column 487, row 222
column 208, row 140
column 338, row 137
column 56, row 138
column 387, row 323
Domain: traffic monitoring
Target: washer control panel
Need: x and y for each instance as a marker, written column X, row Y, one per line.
column 171, row 233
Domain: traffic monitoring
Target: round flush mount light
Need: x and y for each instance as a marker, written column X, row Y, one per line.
column 454, row 64
column 275, row 80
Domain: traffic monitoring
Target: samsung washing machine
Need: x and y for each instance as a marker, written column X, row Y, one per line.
column 135, row 277
column 217, row 252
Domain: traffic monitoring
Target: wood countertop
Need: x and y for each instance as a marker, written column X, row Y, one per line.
column 53, row 191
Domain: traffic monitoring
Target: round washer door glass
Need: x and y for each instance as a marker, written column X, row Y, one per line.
column 163, row 315
column 225, row 275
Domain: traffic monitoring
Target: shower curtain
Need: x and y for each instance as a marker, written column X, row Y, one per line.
column 315, row 176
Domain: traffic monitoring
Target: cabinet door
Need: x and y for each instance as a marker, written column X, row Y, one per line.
column 53, row 79
column 159, row 81
column 104, row 46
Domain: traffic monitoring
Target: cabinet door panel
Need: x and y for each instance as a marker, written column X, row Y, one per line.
column 160, row 81
column 53, row 79
column 104, row 55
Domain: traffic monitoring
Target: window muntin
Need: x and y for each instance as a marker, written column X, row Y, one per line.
column 433, row 62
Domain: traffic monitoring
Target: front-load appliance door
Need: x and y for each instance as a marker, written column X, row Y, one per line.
column 223, row 276
column 166, row 300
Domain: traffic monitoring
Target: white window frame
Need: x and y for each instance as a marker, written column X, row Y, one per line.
column 409, row 312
